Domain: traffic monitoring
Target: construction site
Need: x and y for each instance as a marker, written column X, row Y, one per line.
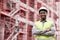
column 17, row 18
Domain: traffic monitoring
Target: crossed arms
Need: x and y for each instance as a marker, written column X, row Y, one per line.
column 48, row 32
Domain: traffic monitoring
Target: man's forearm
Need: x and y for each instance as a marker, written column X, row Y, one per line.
column 50, row 33
column 39, row 32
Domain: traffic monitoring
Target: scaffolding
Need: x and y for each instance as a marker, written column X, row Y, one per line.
column 20, row 15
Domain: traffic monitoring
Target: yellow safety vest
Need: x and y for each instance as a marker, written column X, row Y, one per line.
column 47, row 25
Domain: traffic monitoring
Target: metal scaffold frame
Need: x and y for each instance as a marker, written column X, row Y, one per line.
column 19, row 3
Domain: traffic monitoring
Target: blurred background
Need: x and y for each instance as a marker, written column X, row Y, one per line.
column 17, row 17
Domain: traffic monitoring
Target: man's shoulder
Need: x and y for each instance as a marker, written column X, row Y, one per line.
column 50, row 21
column 36, row 22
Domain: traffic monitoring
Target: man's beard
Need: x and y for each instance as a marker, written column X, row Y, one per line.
column 43, row 18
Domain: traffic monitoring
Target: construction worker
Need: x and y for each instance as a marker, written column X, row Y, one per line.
column 44, row 29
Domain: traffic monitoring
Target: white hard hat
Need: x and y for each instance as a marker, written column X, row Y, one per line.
column 44, row 8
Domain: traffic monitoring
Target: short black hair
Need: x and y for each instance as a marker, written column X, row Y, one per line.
column 43, row 10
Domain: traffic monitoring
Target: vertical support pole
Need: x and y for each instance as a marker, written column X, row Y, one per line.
column 35, row 16
column 1, row 30
column 27, row 1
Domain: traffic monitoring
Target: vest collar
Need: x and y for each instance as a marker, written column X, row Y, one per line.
column 44, row 21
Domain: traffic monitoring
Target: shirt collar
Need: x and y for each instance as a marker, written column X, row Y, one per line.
column 44, row 21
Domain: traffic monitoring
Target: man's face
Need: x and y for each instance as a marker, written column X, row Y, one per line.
column 43, row 14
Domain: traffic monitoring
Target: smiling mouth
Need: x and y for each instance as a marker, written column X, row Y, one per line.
column 43, row 16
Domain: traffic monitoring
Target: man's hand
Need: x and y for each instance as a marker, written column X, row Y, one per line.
column 44, row 31
column 48, row 30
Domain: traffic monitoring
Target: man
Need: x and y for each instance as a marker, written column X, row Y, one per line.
column 44, row 29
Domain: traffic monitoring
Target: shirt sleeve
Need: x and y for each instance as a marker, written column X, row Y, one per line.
column 34, row 30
